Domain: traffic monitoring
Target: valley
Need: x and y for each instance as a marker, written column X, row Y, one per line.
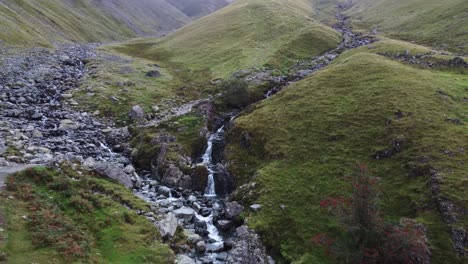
column 219, row 142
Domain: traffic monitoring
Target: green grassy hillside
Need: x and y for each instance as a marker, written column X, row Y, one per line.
column 441, row 24
column 304, row 142
column 241, row 36
column 45, row 22
column 61, row 216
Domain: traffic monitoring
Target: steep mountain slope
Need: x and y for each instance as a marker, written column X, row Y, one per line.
column 441, row 24
column 303, row 144
column 198, row 8
column 44, row 22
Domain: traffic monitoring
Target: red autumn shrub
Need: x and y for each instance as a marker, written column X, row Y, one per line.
column 367, row 238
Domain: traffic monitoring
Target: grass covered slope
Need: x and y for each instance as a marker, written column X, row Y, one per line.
column 442, row 24
column 64, row 216
column 301, row 145
column 245, row 34
column 44, row 22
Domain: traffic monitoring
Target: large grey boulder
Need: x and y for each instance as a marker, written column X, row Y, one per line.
column 184, row 213
column 248, row 248
column 172, row 176
column 233, row 211
column 168, row 226
column 115, row 172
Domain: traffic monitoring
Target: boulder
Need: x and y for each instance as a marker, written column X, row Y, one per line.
column 67, row 124
column 184, row 213
column 165, row 191
column 193, row 239
column 172, row 176
column 233, row 211
column 248, row 249
column 168, row 226
column 201, row 246
column 113, row 171
column 224, row 225
column 137, row 113
column 129, row 169
column 153, row 74
column 182, row 259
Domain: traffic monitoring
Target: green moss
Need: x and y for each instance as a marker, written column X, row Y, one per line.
column 84, row 219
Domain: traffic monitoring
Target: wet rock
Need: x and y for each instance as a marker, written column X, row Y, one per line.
column 201, row 228
column 201, row 246
column 223, row 181
column 224, row 225
column 199, row 178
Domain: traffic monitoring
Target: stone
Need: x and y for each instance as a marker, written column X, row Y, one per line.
column 233, row 210
column 129, row 169
column 36, row 116
column 184, row 213
column 36, row 134
column 172, row 176
column 201, row 228
column 182, row 259
column 192, row 198
column 137, row 113
column 224, row 225
column 67, row 124
column 201, row 246
column 165, row 191
column 168, row 226
column 228, row 244
column 155, row 108
column 114, row 172
column 153, row 74
column 255, row 207
column 89, row 163
column 193, row 239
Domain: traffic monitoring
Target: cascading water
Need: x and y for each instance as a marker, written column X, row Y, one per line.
column 207, row 157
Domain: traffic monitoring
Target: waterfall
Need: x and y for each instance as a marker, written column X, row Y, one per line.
column 208, row 162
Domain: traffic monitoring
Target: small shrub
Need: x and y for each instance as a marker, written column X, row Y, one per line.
column 367, row 238
column 235, row 93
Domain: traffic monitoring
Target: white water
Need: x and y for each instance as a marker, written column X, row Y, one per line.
column 107, row 149
column 207, row 157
